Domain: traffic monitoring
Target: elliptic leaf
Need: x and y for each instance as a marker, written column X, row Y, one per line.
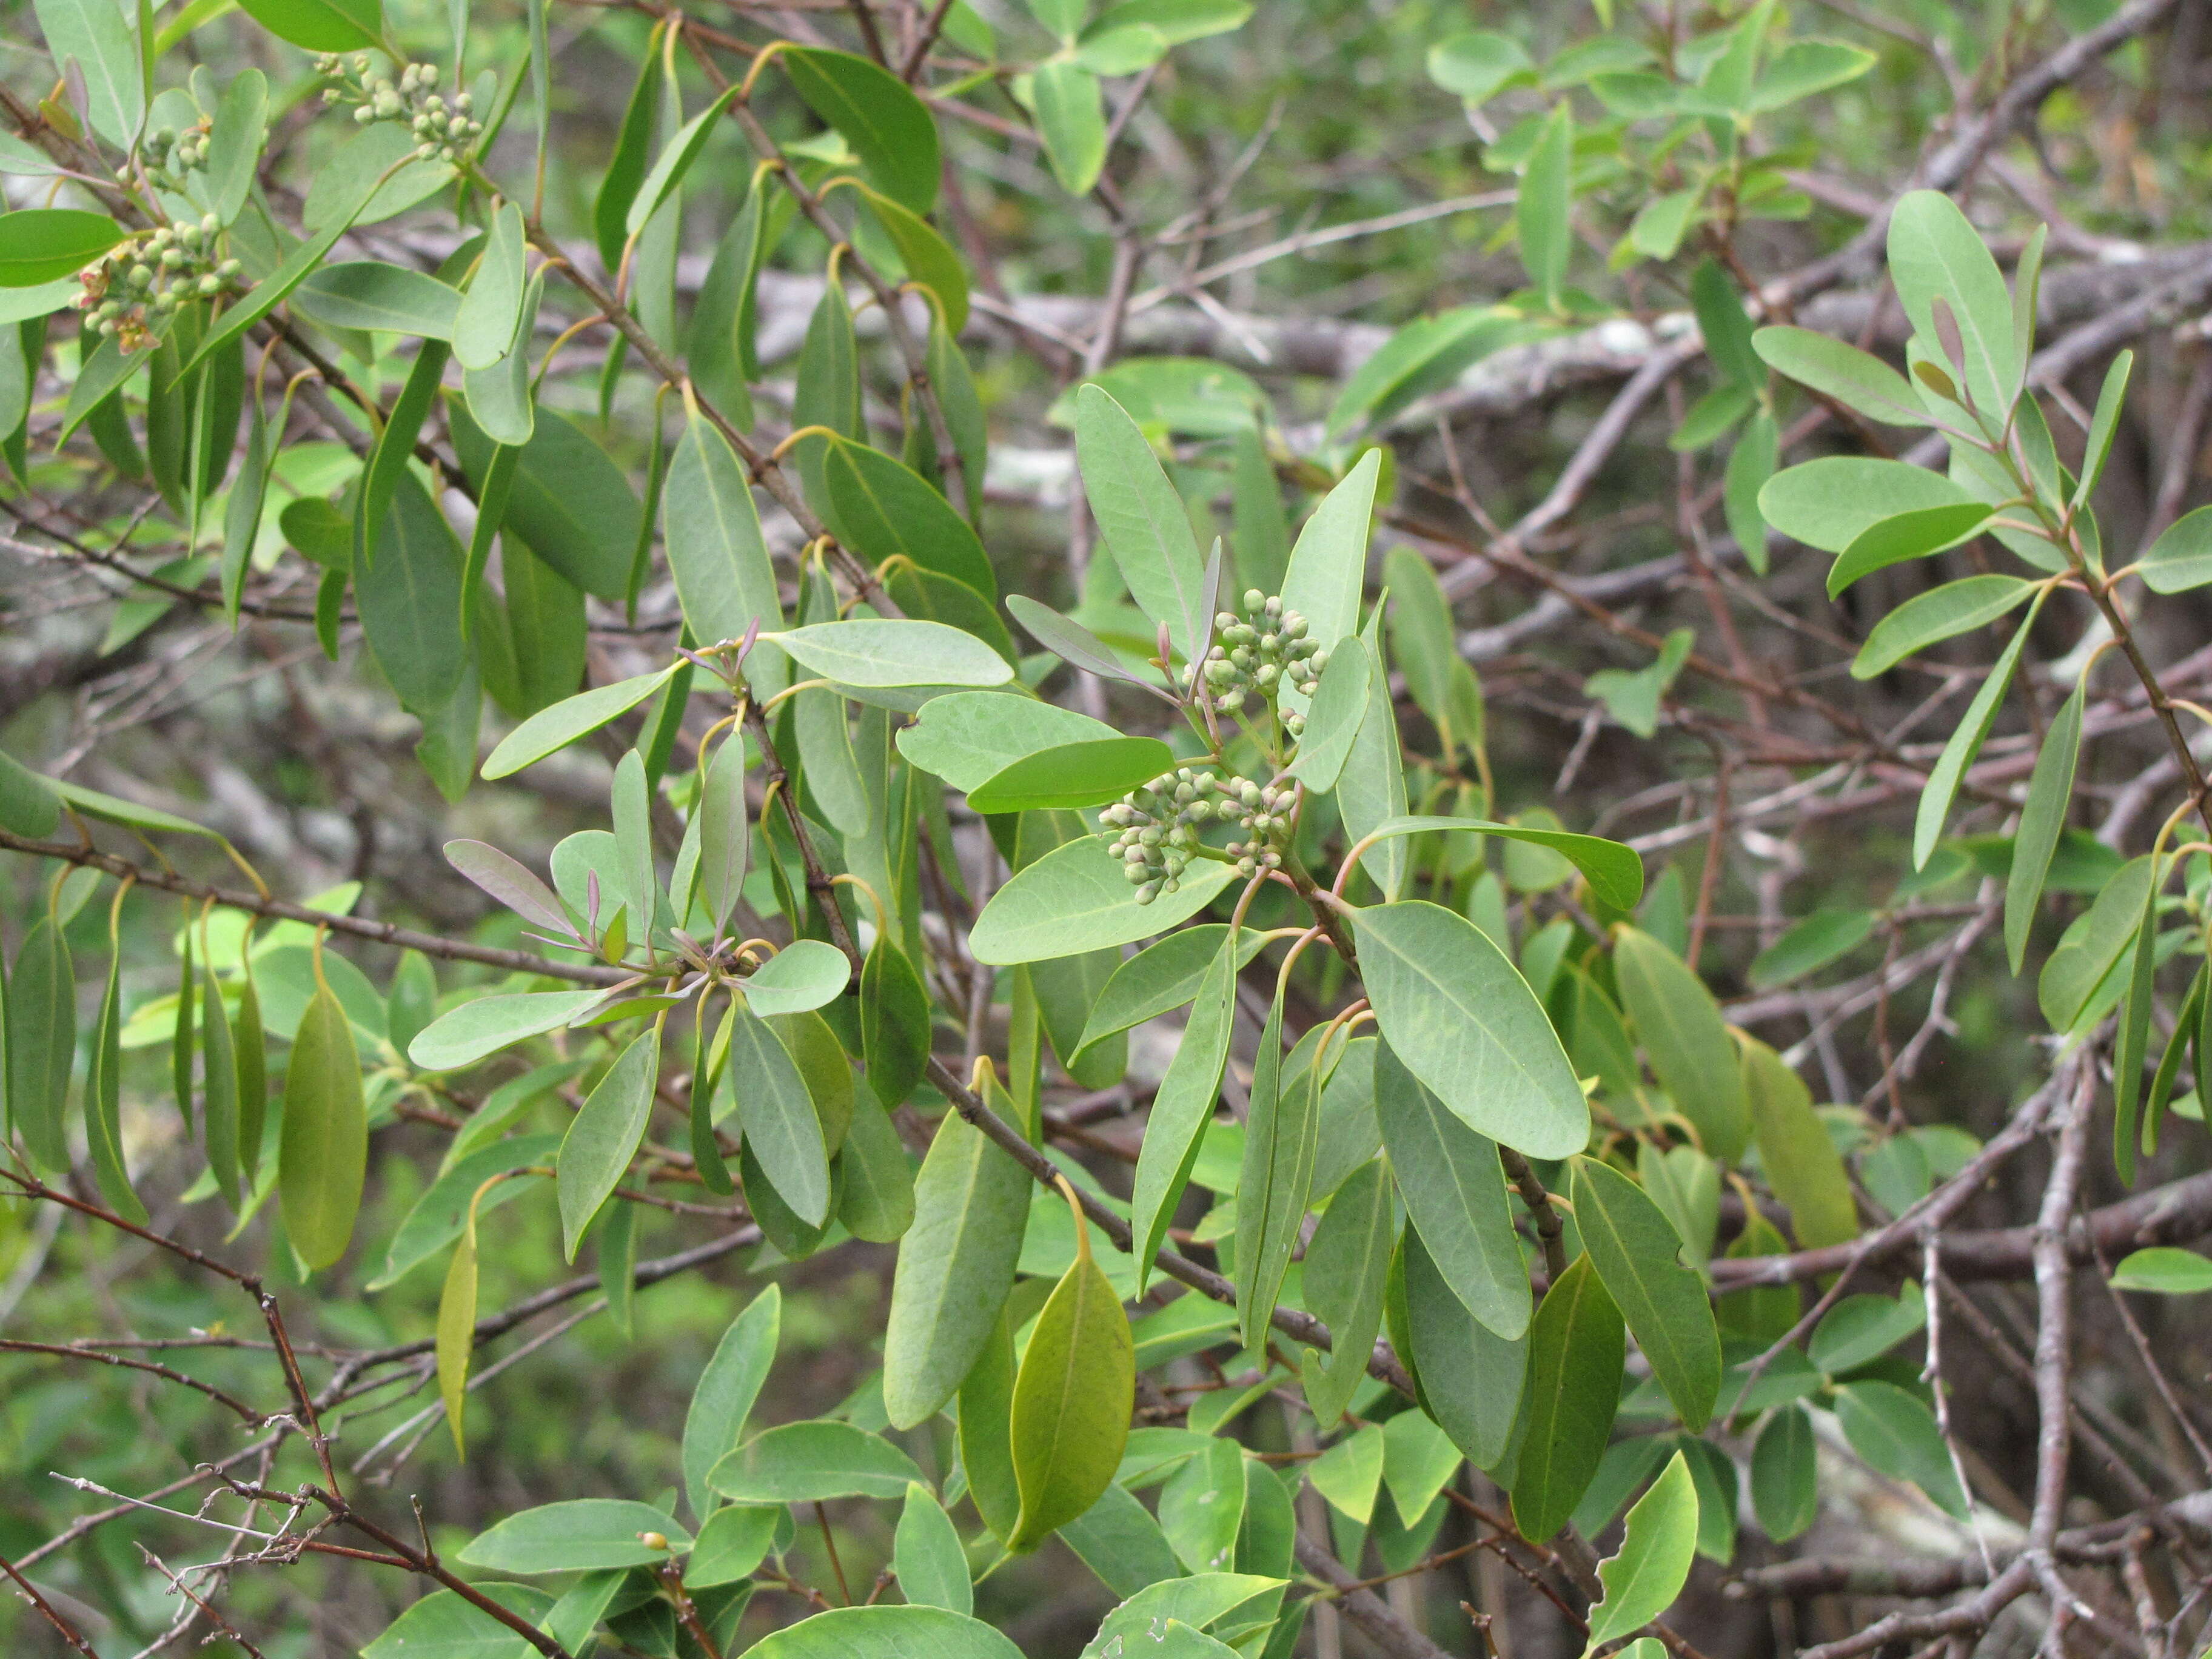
column 1465, row 1023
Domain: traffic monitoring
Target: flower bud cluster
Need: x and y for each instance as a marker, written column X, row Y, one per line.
column 167, row 268
column 1262, row 651
column 1262, row 811
column 168, row 154
column 442, row 126
column 1156, row 828
column 1159, row 824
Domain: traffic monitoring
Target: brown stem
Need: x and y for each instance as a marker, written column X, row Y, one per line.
column 30, row 1594
column 1550, row 1227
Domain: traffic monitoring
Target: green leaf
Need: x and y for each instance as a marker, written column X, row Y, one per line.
column 1858, row 380
column 1465, row 1023
column 1197, row 1600
column 1810, row 944
column 883, row 510
column 2104, row 427
column 1118, row 1540
column 675, row 160
column 603, row 1136
column 29, row 804
column 1160, row 979
column 806, row 973
column 2042, row 819
column 1830, row 503
column 714, row 1425
column 879, row 650
column 273, row 290
column 1803, row 68
column 219, row 1120
column 1802, row 1162
column 1686, row 1185
column 1178, row 22
column 1614, row 871
column 1785, row 1475
column 502, row 399
column 2164, row 1271
column 1684, row 1037
column 409, row 601
column 1898, row 1436
column 875, row 1193
column 1713, row 418
column 1076, row 898
column 777, row 1113
column 2181, row 557
column 446, row 1626
column 1468, row 1379
column 103, row 1101
column 440, row 1213
column 1333, row 721
column 1935, row 253
column 1862, row 1328
column 864, row 1632
column 1479, row 65
column 724, row 834
column 889, row 129
column 926, row 1554
column 1750, row 465
column 1576, row 1350
column 956, row 1264
column 895, row 1022
column 1902, row 536
column 1072, row 1398
column 324, row 1155
column 716, row 552
column 1281, row 1133
column 41, row 1043
column 584, row 1535
column 551, row 730
column 811, row 1461
column 1349, row 1473
column 1636, row 1252
column 1143, row 521
column 456, row 1338
column 626, row 163
column 2091, row 948
column 1643, row 1578
column 321, row 25
column 929, row 260
column 1347, row 1266
column 968, row 737
column 1965, row 742
column 1202, row 1507
column 1329, row 562
column 732, row 1544
column 1454, row 1193
column 367, row 294
column 463, row 1035
column 40, row 245
column 484, row 323
column 1540, row 212
column 1071, row 118
column 1084, row 774
column 1418, row 1459
column 110, row 54
column 568, row 501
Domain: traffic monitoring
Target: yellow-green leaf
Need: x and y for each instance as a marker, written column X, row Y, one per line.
column 457, row 1333
column 1636, row 1250
column 325, row 1154
column 1072, row 1401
